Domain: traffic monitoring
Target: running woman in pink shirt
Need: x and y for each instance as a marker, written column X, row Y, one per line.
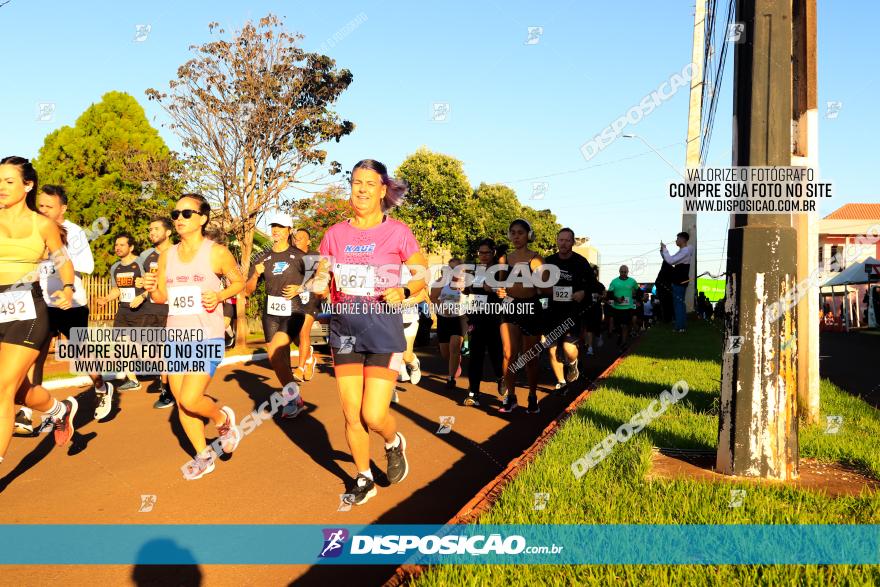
column 188, row 281
column 364, row 255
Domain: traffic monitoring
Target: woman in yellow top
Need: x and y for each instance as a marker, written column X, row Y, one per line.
column 24, row 320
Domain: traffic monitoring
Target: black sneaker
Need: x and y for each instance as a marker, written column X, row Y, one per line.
column 166, row 400
column 364, row 488
column 129, row 385
column 561, row 388
column 533, row 405
column 508, row 407
column 23, row 424
column 398, row 467
column 472, row 400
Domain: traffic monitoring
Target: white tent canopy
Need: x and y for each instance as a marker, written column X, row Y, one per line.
column 852, row 275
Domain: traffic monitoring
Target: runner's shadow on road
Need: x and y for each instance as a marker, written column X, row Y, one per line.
column 147, row 574
column 305, row 431
column 45, row 446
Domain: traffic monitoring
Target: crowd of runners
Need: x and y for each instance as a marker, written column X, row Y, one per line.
column 505, row 308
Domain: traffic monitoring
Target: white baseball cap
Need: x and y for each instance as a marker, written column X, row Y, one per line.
column 280, row 219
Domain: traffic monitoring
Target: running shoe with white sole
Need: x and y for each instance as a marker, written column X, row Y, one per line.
column 23, row 424
column 104, row 403
column 415, row 371
column 198, row 468
column 403, row 373
column 398, row 467
column 166, row 400
column 229, row 433
column 309, row 371
column 293, row 409
column 129, row 385
column 64, row 426
column 364, row 488
column 472, row 400
column 299, row 375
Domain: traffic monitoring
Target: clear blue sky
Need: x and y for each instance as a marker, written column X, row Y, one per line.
column 518, row 111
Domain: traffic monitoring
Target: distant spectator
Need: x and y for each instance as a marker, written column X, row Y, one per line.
column 681, row 271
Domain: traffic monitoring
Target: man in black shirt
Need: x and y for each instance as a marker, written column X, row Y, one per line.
column 576, row 281
column 155, row 315
column 125, row 274
column 283, row 269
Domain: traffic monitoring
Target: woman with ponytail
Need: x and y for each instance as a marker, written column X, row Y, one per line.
column 24, row 320
column 362, row 257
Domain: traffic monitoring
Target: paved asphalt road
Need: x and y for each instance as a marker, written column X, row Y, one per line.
column 286, row 472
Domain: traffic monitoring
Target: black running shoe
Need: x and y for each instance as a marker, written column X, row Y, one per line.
column 166, row 400
column 23, row 424
column 472, row 399
column 398, row 467
column 533, row 405
column 364, row 488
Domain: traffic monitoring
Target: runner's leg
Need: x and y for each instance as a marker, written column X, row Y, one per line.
column 17, row 360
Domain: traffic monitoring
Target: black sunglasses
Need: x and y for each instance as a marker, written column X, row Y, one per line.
column 187, row 214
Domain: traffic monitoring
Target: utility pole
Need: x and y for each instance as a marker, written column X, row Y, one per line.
column 758, row 424
column 805, row 117
column 694, row 136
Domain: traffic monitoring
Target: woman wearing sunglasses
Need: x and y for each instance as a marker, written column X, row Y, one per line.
column 364, row 255
column 188, row 280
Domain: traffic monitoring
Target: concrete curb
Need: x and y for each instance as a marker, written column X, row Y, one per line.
column 85, row 380
column 487, row 496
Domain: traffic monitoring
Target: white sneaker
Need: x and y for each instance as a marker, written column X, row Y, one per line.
column 229, row 433
column 415, row 372
column 402, row 373
column 198, row 467
column 105, row 402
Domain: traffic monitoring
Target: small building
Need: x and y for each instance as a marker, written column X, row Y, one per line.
column 851, row 304
column 841, row 228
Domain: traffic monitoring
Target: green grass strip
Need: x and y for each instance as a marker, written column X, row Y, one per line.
column 618, row 492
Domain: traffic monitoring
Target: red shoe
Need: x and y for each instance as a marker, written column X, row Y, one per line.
column 64, row 427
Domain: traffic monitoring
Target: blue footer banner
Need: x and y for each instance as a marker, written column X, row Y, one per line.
column 440, row 544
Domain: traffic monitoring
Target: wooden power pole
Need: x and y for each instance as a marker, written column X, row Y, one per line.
column 758, row 424
column 805, row 117
column 694, row 136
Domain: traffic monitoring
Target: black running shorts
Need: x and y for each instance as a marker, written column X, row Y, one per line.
column 526, row 313
column 61, row 321
column 27, row 333
column 447, row 327
column 291, row 325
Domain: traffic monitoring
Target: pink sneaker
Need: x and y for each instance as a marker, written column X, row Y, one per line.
column 230, row 435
